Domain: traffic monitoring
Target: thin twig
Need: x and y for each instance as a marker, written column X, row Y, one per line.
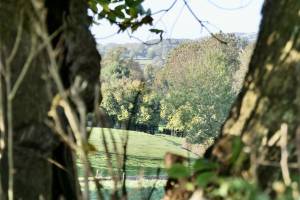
column 298, row 146
column 154, row 185
column 33, row 53
column 116, row 151
column 96, row 182
column 17, row 41
column 1, row 125
column 165, row 10
column 284, row 155
column 146, row 43
column 10, row 139
column 9, row 109
column 230, row 9
column 202, row 24
column 81, row 108
column 107, row 36
column 2, row 117
column 109, row 164
column 125, row 144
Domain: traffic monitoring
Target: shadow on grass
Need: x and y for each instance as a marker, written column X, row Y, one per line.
column 135, row 193
column 172, row 142
column 134, row 166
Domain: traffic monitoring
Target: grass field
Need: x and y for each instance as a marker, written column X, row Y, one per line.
column 137, row 190
column 145, row 152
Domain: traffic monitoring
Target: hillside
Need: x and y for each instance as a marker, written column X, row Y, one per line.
column 155, row 52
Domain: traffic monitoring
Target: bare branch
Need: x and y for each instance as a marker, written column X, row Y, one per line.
column 284, row 154
column 17, row 41
column 167, row 9
column 125, row 144
column 202, row 24
column 230, row 9
column 33, row 53
column 145, row 43
column 298, row 146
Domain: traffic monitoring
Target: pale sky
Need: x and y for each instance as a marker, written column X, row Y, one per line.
column 225, row 15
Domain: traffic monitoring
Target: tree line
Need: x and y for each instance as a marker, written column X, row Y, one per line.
column 190, row 94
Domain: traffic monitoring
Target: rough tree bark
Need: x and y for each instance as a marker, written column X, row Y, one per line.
column 269, row 101
column 268, row 105
column 35, row 144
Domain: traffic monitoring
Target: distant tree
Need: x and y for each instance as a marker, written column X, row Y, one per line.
column 150, row 72
column 116, row 65
column 149, row 108
column 119, row 99
column 200, row 72
column 122, row 81
column 151, row 53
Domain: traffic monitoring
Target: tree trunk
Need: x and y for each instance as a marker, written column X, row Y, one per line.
column 35, row 145
column 265, row 116
column 269, row 101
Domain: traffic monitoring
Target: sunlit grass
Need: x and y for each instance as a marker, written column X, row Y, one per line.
column 145, row 152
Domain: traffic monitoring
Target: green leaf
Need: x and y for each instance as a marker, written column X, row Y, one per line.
column 119, row 11
column 147, row 20
column 111, row 17
column 190, row 186
column 105, row 6
column 157, row 31
column 133, row 11
column 202, row 164
column 129, row 2
column 93, row 6
column 102, row 14
column 133, row 3
column 237, row 146
column 178, row 171
column 134, row 26
column 203, row 179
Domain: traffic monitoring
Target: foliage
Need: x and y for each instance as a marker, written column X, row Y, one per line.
column 206, row 175
column 126, row 14
column 149, row 109
column 127, row 93
column 204, row 71
column 116, row 66
column 121, row 85
column 120, row 97
column 198, row 81
column 156, row 54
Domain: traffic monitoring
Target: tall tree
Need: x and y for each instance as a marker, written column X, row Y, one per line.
column 35, row 163
column 205, row 69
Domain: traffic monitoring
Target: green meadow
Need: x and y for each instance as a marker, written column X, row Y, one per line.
column 145, row 152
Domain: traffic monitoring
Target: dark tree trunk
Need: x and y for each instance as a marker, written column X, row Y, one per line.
column 35, row 145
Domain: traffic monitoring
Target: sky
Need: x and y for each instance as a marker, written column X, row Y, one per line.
column 241, row 16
